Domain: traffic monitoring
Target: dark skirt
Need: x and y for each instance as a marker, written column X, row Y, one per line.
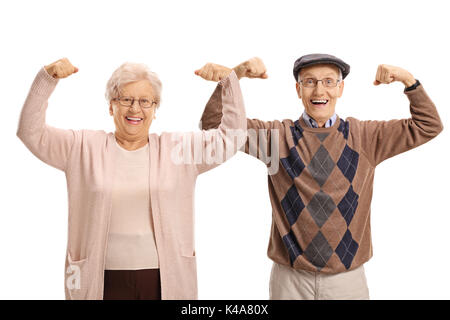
column 144, row 284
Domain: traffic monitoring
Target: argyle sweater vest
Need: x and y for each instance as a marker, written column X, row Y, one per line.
column 322, row 190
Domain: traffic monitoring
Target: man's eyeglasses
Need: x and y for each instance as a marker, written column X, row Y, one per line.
column 312, row 83
column 129, row 101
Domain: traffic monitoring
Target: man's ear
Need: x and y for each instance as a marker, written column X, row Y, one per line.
column 299, row 92
column 341, row 88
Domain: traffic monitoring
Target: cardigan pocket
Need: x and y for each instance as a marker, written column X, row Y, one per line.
column 187, row 287
column 186, row 249
column 76, row 278
column 188, row 253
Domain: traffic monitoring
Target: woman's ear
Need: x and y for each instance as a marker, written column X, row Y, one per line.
column 111, row 109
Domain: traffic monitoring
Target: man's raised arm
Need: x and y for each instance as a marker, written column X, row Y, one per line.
column 384, row 139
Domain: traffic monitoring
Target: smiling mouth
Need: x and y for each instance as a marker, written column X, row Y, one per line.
column 319, row 102
column 134, row 120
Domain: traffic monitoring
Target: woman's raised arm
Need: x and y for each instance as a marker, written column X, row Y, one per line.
column 51, row 145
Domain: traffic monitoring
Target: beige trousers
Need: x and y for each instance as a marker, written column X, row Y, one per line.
column 287, row 283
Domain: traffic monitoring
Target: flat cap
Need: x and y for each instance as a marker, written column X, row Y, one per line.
column 320, row 58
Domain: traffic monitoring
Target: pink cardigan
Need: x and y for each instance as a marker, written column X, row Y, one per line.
column 87, row 158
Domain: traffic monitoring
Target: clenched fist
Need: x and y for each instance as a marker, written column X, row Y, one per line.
column 388, row 74
column 61, row 68
column 213, row 72
column 253, row 68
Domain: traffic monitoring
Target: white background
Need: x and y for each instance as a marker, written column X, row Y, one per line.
column 410, row 211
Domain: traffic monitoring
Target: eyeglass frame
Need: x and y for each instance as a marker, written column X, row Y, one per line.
column 133, row 99
column 321, row 80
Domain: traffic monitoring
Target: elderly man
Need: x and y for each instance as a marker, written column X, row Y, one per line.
column 321, row 193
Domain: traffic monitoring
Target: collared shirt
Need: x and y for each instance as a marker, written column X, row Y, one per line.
column 313, row 124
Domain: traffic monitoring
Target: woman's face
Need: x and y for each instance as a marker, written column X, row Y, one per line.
column 132, row 123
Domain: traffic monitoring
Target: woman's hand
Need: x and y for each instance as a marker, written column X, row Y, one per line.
column 61, row 68
column 213, row 72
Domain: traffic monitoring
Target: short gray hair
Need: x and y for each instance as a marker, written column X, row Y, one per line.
column 131, row 72
column 340, row 75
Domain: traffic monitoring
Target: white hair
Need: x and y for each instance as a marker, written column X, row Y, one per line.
column 339, row 69
column 131, row 72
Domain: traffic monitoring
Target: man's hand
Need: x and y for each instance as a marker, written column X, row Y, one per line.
column 61, row 68
column 387, row 74
column 213, row 72
column 253, row 68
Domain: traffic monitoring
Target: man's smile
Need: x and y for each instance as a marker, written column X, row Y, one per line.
column 320, row 103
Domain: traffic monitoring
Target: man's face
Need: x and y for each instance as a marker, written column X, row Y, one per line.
column 320, row 102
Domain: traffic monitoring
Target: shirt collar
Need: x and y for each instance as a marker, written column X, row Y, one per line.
column 313, row 124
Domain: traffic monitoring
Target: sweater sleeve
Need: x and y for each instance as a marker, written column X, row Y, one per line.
column 51, row 145
column 220, row 144
column 384, row 139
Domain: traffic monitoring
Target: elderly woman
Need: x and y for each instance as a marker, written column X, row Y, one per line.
column 131, row 193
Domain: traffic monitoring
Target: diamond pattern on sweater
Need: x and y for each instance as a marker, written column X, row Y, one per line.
column 348, row 205
column 344, row 127
column 292, row 205
column 348, row 162
column 322, row 136
column 321, row 207
column 291, row 244
column 292, row 163
column 319, row 251
column 321, row 165
column 346, row 250
column 297, row 132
